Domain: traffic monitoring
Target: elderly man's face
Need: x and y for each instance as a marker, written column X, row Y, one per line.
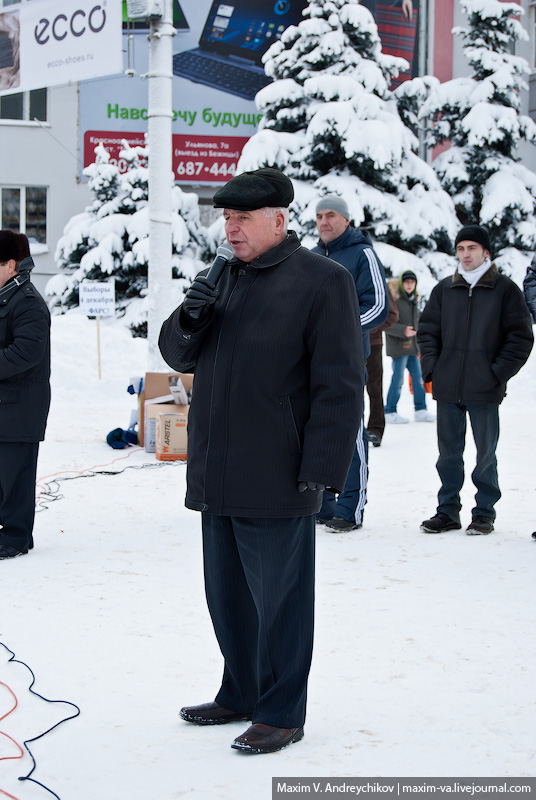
column 330, row 225
column 252, row 233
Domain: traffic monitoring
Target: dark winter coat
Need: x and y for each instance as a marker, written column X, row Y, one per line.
column 24, row 364
column 353, row 249
column 529, row 289
column 397, row 344
column 473, row 341
column 278, row 382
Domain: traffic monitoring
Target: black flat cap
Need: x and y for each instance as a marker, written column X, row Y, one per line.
column 13, row 246
column 257, row 189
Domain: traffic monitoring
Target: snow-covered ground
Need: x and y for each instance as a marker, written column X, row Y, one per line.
column 424, row 650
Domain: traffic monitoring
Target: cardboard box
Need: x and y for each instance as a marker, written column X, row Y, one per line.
column 171, row 439
column 156, row 391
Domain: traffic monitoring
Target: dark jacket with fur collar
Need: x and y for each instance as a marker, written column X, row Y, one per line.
column 472, row 341
column 397, row 343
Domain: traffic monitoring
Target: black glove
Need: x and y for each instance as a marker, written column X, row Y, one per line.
column 199, row 297
column 314, row 487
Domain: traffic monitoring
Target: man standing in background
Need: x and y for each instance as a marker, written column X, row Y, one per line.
column 376, row 420
column 352, row 248
column 474, row 335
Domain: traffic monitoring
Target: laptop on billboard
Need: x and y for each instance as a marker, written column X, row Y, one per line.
column 235, row 36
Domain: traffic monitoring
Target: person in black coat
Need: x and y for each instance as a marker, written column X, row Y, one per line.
column 276, row 352
column 24, row 392
column 474, row 335
column 529, row 290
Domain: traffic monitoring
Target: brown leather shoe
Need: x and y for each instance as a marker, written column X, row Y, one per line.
column 211, row 714
column 262, row 738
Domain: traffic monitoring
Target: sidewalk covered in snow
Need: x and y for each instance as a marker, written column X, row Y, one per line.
column 424, row 650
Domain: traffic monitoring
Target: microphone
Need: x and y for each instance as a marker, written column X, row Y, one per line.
column 223, row 254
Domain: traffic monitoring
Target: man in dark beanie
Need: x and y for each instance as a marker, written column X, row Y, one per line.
column 24, row 392
column 277, row 356
column 474, row 335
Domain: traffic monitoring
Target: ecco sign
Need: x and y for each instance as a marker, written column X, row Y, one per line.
column 77, row 24
column 62, row 41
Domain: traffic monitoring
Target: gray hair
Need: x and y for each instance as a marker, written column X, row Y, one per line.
column 271, row 211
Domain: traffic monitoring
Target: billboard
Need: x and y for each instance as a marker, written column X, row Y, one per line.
column 217, row 70
column 53, row 42
column 398, row 28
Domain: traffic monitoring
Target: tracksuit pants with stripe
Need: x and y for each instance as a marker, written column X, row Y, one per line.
column 350, row 504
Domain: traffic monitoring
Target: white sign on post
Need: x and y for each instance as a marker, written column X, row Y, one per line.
column 97, row 299
column 51, row 42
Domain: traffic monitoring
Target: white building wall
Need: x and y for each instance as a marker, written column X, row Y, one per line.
column 45, row 154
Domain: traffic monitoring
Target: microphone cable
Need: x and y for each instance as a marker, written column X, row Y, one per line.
column 50, row 489
column 40, row 736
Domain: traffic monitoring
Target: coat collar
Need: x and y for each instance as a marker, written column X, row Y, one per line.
column 348, row 238
column 488, row 279
column 273, row 256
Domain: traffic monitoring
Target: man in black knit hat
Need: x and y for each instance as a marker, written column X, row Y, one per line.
column 474, row 335
column 276, row 352
column 24, row 392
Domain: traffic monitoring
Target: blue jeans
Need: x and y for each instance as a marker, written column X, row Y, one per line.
column 414, row 368
column 451, row 429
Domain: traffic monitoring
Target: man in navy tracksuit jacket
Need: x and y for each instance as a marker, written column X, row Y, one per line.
column 353, row 249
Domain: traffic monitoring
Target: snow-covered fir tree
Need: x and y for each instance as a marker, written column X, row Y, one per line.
column 479, row 116
column 110, row 238
column 332, row 125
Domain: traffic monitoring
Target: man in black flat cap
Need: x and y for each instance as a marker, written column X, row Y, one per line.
column 24, row 392
column 276, row 351
column 474, row 335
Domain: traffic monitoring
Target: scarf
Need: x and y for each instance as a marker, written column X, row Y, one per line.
column 473, row 276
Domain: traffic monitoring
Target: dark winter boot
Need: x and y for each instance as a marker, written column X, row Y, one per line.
column 480, row 525
column 10, row 552
column 342, row 525
column 439, row 523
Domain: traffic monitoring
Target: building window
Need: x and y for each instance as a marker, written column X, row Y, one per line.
column 24, row 105
column 24, row 208
column 11, row 2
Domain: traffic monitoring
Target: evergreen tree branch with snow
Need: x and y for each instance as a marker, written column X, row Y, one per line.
column 480, row 117
column 330, row 122
column 111, row 238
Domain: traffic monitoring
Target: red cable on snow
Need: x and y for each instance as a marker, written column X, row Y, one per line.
column 82, row 471
column 21, row 754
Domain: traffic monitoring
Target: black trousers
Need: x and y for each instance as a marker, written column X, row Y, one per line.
column 259, row 582
column 18, row 467
column 376, row 421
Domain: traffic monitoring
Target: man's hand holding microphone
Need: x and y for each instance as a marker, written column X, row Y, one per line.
column 202, row 294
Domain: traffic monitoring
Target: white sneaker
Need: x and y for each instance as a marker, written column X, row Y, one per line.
column 395, row 418
column 424, row 416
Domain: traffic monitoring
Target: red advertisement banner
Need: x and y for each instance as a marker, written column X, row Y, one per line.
column 196, row 159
